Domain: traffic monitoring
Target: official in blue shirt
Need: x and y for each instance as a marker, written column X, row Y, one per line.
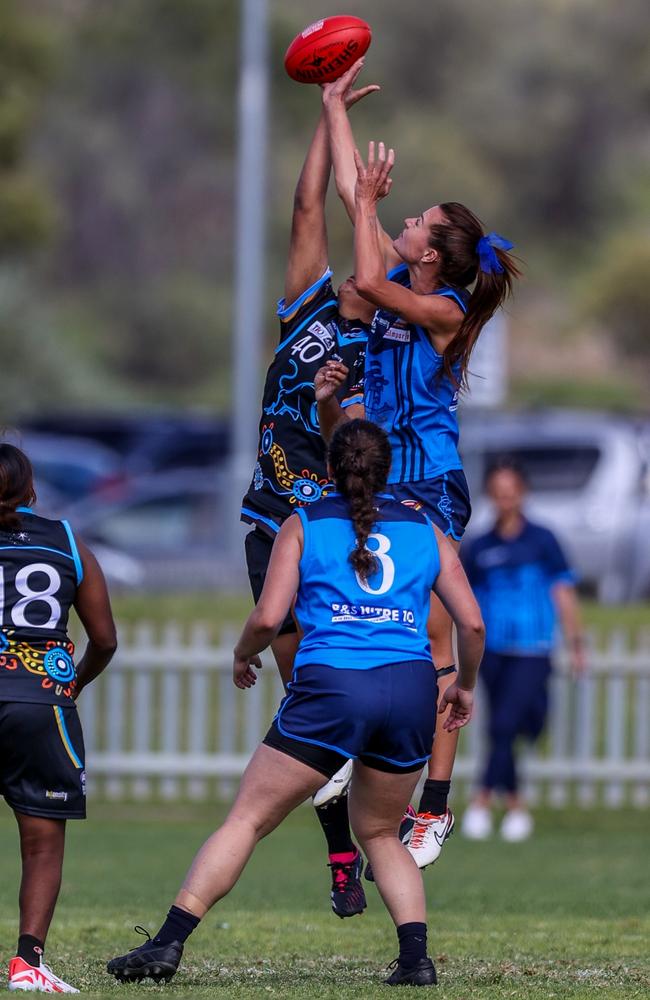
column 522, row 582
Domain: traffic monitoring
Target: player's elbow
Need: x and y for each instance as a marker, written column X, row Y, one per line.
column 104, row 639
column 367, row 286
column 474, row 627
column 265, row 621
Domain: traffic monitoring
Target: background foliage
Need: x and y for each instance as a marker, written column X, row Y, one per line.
column 117, row 156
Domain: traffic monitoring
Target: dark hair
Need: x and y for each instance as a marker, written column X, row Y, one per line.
column 456, row 241
column 504, row 463
column 360, row 457
column 16, row 485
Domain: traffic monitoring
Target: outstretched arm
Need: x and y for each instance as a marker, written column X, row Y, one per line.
column 308, row 244
column 440, row 316
column 337, row 98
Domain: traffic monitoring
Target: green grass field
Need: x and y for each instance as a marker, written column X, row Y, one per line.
column 564, row 915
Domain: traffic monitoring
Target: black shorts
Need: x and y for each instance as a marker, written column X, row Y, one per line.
column 42, row 760
column 384, row 716
column 258, row 552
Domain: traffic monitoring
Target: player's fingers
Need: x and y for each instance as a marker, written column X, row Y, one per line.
column 442, row 707
column 358, row 162
column 371, row 154
column 358, row 95
column 352, row 73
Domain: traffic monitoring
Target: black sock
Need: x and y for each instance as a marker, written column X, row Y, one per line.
column 412, row 944
column 177, row 927
column 334, row 820
column 434, row 797
column 30, row 949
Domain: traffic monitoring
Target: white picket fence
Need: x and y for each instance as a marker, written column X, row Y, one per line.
column 166, row 721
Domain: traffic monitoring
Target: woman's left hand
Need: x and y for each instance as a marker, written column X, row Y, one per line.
column 243, row 674
column 373, row 180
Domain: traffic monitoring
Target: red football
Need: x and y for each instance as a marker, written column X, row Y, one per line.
column 324, row 50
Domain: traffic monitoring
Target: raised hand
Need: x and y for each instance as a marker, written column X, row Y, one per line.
column 341, row 89
column 373, row 180
column 329, row 379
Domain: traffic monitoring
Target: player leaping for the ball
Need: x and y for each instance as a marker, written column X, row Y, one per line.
column 317, row 324
column 434, row 288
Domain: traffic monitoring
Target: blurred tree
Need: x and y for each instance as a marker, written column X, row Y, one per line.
column 618, row 293
column 26, row 214
column 530, row 114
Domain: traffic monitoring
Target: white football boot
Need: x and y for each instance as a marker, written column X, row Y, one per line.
column 28, row 978
column 428, row 836
column 335, row 788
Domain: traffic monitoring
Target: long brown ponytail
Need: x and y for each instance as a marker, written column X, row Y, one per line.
column 457, row 243
column 16, row 485
column 360, row 459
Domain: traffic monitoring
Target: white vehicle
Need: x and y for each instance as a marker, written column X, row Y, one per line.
column 588, row 481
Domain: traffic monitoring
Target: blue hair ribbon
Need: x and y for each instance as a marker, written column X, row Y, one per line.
column 488, row 260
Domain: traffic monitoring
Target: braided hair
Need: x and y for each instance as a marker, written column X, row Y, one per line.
column 16, row 485
column 360, row 458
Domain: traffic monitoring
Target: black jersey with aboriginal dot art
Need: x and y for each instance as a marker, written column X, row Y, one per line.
column 291, row 470
column 40, row 571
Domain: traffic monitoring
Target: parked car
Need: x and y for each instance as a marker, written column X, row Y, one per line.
column 69, row 468
column 172, row 524
column 588, row 481
column 147, row 442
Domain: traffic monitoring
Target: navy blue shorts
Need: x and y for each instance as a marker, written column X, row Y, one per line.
column 444, row 499
column 385, row 717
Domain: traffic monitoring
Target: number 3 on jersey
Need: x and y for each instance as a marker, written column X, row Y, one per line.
column 28, row 595
column 386, row 563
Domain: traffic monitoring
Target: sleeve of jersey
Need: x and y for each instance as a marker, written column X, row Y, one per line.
column 290, row 314
column 557, row 567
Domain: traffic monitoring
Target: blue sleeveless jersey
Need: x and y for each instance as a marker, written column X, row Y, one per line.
column 355, row 625
column 406, row 394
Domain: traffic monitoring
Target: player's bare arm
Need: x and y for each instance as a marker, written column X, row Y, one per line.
column 307, row 259
column 278, row 593
column 440, row 316
column 308, row 245
column 342, row 146
column 453, row 589
column 92, row 604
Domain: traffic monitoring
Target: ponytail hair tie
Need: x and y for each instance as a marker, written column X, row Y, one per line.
column 487, row 258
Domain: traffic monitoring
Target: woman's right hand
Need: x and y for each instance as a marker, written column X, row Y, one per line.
column 329, row 379
column 462, row 704
column 341, row 89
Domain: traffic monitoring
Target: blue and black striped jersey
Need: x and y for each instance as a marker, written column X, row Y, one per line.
column 408, row 394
